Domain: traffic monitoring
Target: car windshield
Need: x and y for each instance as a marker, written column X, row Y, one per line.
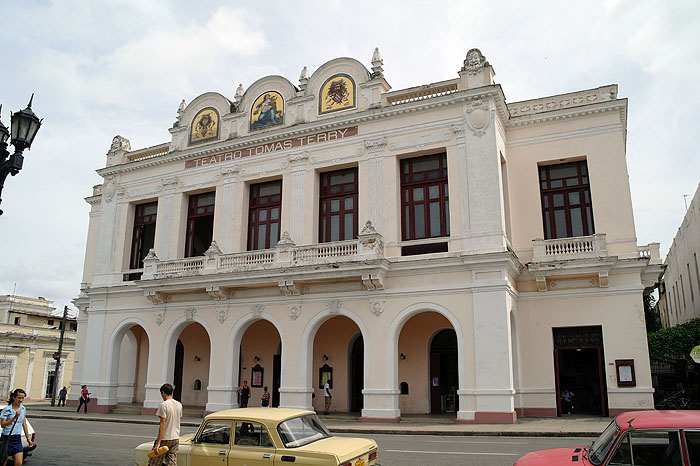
column 601, row 446
column 302, row 430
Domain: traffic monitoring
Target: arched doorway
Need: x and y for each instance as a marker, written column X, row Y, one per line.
column 129, row 364
column 356, row 372
column 260, row 362
column 443, row 372
column 191, row 366
column 427, row 365
column 338, row 356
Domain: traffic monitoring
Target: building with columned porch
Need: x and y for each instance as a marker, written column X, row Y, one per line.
column 434, row 249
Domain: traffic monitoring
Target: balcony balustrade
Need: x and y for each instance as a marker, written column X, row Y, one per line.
column 579, row 247
column 286, row 254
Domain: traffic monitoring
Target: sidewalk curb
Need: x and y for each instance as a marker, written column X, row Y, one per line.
column 365, row 430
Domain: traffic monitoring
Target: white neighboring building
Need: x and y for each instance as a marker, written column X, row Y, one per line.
column 682, row 275
column 432, row 249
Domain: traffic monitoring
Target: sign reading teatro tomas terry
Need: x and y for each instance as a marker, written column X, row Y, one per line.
column 268, row 148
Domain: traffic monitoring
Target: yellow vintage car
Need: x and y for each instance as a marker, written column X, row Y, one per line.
column 269, row 437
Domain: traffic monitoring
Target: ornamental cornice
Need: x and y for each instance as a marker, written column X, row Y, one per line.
column 456, row 98
column 619, row 105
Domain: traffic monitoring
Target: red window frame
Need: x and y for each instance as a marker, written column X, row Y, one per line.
column 569, row 196
column 337, row 202
column 200, row 206
column 264, row 210
column 425, row 183
column 139, row 244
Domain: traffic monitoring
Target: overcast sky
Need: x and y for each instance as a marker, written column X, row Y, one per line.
column 102, row 68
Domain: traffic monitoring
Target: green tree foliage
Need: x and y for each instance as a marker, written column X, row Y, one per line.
column 675, row 342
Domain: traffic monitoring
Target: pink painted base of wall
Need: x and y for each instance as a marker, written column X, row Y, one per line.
column 381, row 420
column 616, row 411
column 72, row 403
column 537, row 412
column 148, row 411
column 485, row 417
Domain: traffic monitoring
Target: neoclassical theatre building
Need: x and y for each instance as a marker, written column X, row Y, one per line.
column 425, row 250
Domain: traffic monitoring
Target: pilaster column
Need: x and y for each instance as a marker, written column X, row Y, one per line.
column 483, row 225
column 376, row 183
column 105, row 267
column 165, row 220
column 226, row 214
column 30, row 372
column 494, row 393
column 298, row 201
column 220, row 392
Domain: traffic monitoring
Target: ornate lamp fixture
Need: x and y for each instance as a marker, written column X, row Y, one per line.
column 25, row 125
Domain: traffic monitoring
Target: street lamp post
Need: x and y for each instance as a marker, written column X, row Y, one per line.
column 25, row 125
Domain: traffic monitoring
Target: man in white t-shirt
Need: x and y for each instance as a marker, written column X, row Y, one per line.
column 170, row 413
column 327, row 396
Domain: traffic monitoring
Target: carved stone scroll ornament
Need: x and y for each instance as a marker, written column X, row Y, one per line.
column 334, row 306
column 377, row 306
column 190, row 313
column 285, row 240
column 257, row 309
column 222, row 314
column 294, row 311
column 369, row 229
column 474, row 62
column 119, row 144
column 288, row 288
column 213, row 249
column 156, row 297
column 159, row 315
column 372, row 282
column 478, row 117
column 375, row 145
column 218, row 294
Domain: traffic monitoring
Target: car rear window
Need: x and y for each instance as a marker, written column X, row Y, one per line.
column 302, row 430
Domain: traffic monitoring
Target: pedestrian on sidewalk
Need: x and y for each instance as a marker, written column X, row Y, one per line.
column 170, row 414
column 84, row 398
column 13, row 420
column 62, row 397
column 327, row 396
column 244, row 392
column 265, row 400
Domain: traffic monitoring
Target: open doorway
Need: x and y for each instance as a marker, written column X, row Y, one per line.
column 356, row 376
column 443, row 372
column 578, row 366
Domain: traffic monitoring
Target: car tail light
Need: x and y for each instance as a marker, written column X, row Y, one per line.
column 349, row 463
column 33, row 436
column 373, row 455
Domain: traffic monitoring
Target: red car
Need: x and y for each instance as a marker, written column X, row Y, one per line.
column 658, row 438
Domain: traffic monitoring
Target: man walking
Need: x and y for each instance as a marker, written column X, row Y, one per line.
column 62, row 397
column 170, row 413
column 327, row 396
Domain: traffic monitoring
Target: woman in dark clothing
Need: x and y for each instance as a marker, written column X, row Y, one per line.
column 84, row 398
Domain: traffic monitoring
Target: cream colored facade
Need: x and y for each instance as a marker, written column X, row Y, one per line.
column 29, row 334
column 492, row 322
column 682, row 275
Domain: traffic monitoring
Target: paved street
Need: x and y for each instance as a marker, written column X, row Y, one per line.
column 68, row 442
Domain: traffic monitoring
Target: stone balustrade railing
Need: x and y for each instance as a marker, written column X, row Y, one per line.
column 650, row 251
column 414, row 94
column 579, row 247
column 368, row 246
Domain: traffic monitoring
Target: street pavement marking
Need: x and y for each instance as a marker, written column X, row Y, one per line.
column 122, row 435
column 475, row 442
column 452, row 453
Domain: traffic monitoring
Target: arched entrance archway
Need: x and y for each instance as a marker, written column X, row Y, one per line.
column 428, row 368
column 335, row 352
column 191, row 360
column 260, row 361
column 128, row 364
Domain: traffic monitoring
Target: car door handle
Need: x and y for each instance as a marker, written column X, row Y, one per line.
column 222, row 452
column 267, row 457
column 289, row 459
